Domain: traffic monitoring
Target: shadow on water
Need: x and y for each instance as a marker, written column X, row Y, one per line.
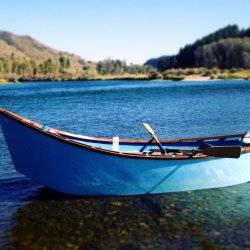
column 16, row 189
column 204, row 219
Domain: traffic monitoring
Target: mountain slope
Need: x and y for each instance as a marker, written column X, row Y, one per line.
column 24, row 58
column 29, row 48
column 6, row 51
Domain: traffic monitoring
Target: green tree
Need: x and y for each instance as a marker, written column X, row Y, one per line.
column 1, row 66
column 64, row 63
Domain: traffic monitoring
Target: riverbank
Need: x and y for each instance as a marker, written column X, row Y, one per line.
column 3, row 81
column 203, row 74
column 194, row 74
column 66, row 77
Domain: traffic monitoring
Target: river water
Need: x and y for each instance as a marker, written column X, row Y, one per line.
column 33, row 217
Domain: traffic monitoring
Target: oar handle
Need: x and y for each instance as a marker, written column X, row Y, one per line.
column 153, row 135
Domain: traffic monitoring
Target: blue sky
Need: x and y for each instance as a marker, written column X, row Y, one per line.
column 134, row 30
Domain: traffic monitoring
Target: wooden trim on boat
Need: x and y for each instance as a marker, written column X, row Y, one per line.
column 58, row 135
column 141, row 141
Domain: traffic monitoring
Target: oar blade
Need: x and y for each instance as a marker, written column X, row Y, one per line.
column 148, row 128
column 225, row 151
column 154, row 136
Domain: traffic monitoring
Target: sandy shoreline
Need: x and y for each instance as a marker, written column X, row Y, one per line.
column 196, row 78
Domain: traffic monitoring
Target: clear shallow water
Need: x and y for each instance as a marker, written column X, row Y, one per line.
column 32, row 216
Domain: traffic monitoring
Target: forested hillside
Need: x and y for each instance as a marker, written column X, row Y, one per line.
column 226, row 48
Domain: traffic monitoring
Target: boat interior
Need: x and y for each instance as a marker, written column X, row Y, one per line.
column 181, row 146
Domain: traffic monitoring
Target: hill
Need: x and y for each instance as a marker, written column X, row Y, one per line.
column 24, row 58
column 26, row 47
column 225, row 48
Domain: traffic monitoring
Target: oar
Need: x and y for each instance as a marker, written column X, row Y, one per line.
column 221, row 151
column 153, row 135
column 215, row 151
column 144, row 146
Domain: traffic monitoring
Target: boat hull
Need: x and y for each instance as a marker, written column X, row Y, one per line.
column 71, row 169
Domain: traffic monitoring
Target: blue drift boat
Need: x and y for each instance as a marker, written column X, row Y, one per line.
column 82, row 165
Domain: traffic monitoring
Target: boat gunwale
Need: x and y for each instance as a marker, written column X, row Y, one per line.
column 58, row 135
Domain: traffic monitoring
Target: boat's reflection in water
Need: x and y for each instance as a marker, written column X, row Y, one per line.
column 206, row 218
